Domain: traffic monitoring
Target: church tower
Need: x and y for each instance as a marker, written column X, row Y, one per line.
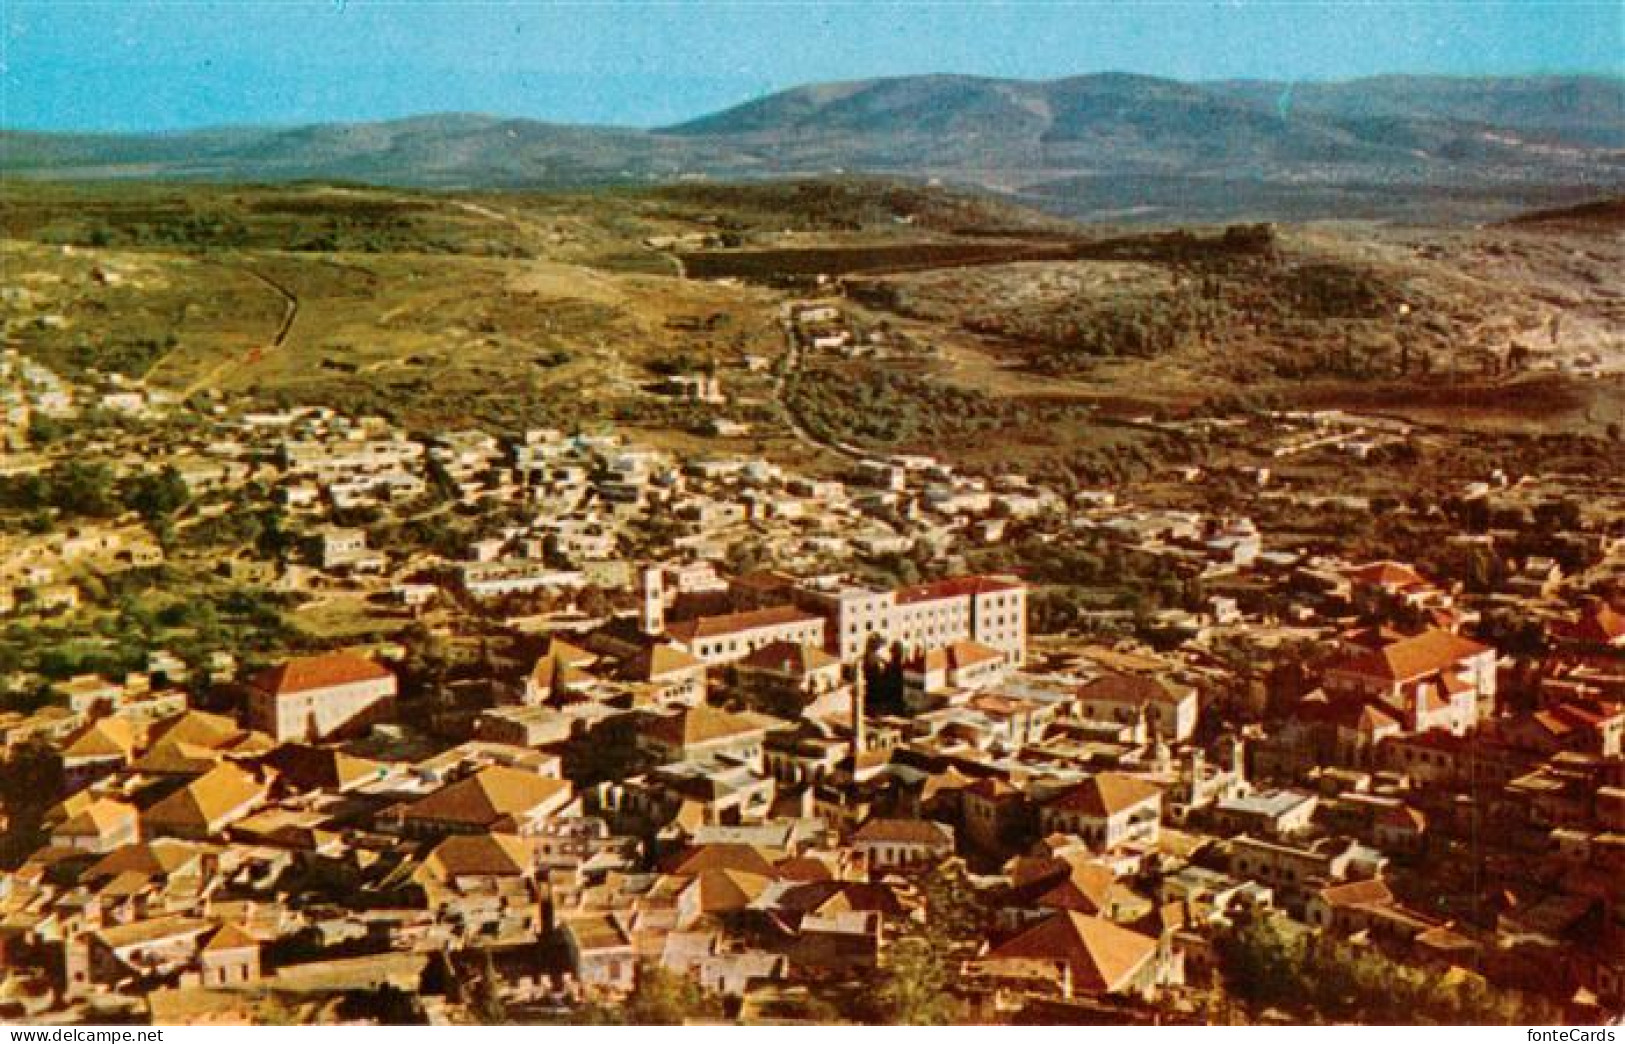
column 654, row 601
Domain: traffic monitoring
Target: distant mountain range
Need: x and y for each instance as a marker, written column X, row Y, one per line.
column 1109, row 144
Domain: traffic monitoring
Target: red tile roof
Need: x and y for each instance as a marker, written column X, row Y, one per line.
column 1373, row 892
column 1394, row 575
column 1104, row 957
column 956, row 587
column 310, row 673
column 1410, row 658
column 1600, row 624
column 791, row 658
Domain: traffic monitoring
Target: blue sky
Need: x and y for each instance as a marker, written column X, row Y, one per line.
column 137, row 65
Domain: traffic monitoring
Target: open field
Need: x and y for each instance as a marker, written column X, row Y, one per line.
column 519, row 309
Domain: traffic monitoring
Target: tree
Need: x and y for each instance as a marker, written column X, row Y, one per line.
column 156, row 496
column 955, row 918
column 913, row 987
column 659, row 998
column 1262, row 963
column 917, row 982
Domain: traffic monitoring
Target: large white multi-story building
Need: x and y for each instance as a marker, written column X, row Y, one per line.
column 922, row 617
column 854, row 614
column 989, row 610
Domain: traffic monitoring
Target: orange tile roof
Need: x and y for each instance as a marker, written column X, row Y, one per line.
column 230, row 937
column 804, row 868
column 1410, row 658
column 97, row 819
column 1372, row 892
column 692, row 726
column 905, row 831
column 310, row 673
column 1056, row 883
column 1104, row 957
column 553, row 673
column 106, row 738
column 317, row 768
column 1374, row 718
column 157, row 858
column 197, row 728
column 204, row 802
column 723, row 856
column 655, row 662
column 487, row 798
column 479, row 855
column 1387, row 574
column 831, row 896
column 1598, row 624
column 954, row 657
column 565, row 652
column 1106, row 794
column 174, row 758
column 719, row 890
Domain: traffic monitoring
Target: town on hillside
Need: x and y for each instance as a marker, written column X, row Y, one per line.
column 312, row 717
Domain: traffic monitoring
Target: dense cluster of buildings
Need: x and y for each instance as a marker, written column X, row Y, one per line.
column 746, row 771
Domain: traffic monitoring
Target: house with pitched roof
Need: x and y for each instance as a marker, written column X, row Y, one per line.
column 96, row 825
column 674, row 675
column 207, row 805
column 704, row 731
column 320, row 697
column 104, row 746
column 230, row 958
column 143, row 949
column 1167, row 707
column 1044, row 884
column 1368, row 906
column 302, row 768
column 903, row 844
column 562, row 667
column 495, row 799
column 1386, row 585
column 964, row 665
column 800, row 667
column 993, row 813
column 1107, row 810
column 1070, row 954
column 469, row 861
column 1433, row 680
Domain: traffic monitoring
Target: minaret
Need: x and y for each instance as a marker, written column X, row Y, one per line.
column 654, row 602
column 860, row 740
